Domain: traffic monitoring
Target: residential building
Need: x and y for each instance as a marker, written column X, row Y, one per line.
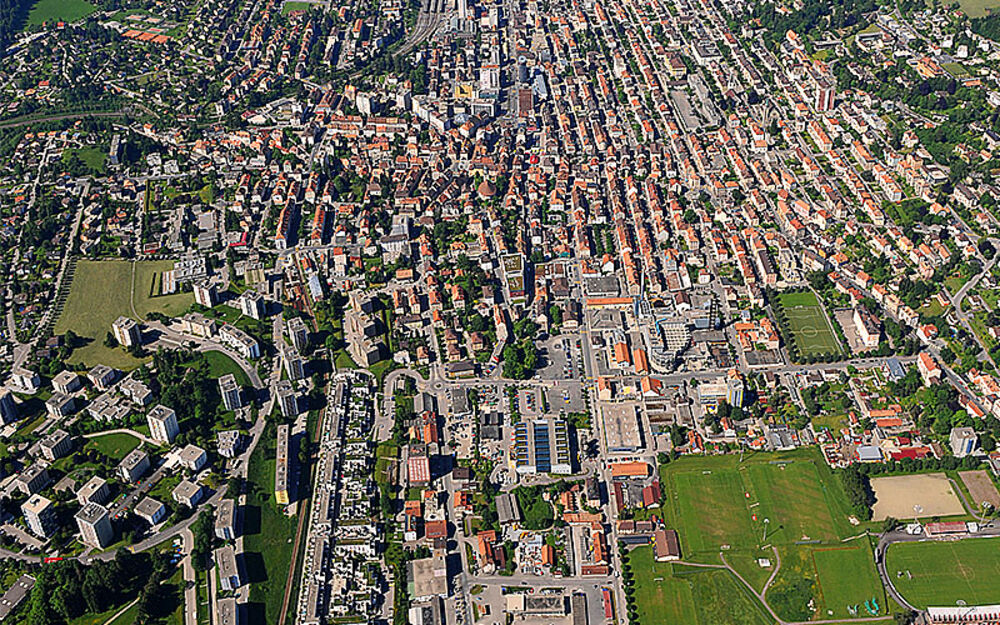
column 252, row 305
column 95, row 526
column 963, row 442
column 133, row 466
column 150, row 510
column 293, row 363
column 67, row 382
column 126, row 332
column 162, row 424
column 298, row 334
column 33, row 479
column 230, row 392
column 228, row 567
column 205, row 294
column 192, row 457
column 225, row 520
column 40, row 516
column 8, row 409
column 56, row 444
column 287, row 399
column 187, row 493
column 94, row 491
column 281, row 465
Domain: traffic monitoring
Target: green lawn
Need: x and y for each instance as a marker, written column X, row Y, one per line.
column 288, row 7
column 956, row 70
column 712, row 510
column 977, row 8
column 220, row 364
column 745, row 562
column 100, row 293
column 847, row 577
column 942, row 573
column 100, row 619
column 807, row 321
column 666, row 593
column 59, row 10
column 954, row 283
column 117, row 445
column 792, row 497
column 269, row 534
column 93, row 157
column 707, row 501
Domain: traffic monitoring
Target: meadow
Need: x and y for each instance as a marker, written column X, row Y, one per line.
column 101, row 291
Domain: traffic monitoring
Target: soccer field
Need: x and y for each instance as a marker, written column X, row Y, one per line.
column 718, row 501
column 56, row 10
column 808, row 323
column 944, row 573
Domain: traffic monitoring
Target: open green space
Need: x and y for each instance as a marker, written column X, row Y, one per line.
column 59, row 10
column 808, row 324
column 116, row 445
column 955, row 282
column 978, row 8
column 716, row 500
column 827, row 582
column 942, row 573
column 101, row 292
column 668, row 593
column 288, row 7
column 719, row 504
column 269, row 534
column 793, row 499
column 847, row 579
column 92, row 156
column 220, row 364
column 956, row 70
column 711, row 509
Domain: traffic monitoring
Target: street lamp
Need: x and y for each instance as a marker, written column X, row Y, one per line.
column 766, row 521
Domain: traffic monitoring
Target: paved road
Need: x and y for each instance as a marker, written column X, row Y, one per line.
column 190, row 585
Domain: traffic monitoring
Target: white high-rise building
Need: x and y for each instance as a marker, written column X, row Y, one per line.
column 95, row 526
column 162, row 424
column 230, row 392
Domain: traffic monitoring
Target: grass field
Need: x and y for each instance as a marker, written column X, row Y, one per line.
column 943, row 573
column 807, row 321
column 667, row 593
column 718, row 504
column 827, row 582
column 977, row 8
column 709, row 506
column 92, row 156
column 847, row 577
column 712, row 510
column 100, row 293
column 220, row 364
column 59, row 10
column 117, row 445
column 288, row 7
column 268, row 536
